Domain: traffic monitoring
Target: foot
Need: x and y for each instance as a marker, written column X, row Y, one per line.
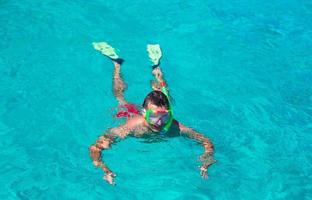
column 109, row 177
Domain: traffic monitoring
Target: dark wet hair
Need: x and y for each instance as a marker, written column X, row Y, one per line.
column 156, row 98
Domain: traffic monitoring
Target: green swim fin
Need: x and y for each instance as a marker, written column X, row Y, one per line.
column 106, row 49
column 154, row 53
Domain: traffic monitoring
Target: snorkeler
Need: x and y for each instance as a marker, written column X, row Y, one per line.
column 155, row 117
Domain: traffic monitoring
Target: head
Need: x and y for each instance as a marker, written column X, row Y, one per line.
column 156, row 99
column 156, row 105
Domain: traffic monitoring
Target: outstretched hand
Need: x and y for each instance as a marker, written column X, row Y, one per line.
column 109, row 177
column 204, row 169
column 207, row 160
column 204, row 172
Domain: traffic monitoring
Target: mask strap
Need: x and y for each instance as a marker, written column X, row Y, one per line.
column 147, row 115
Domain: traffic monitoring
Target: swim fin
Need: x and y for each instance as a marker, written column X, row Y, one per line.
column 154, row 53
column 106, row 50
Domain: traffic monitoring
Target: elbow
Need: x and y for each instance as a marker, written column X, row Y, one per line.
column 209, row 147
column 100, row 144
column 212, row 147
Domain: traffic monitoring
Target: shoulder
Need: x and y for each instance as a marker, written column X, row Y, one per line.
column 180, row 126
column 134, row 122
column 176, row 123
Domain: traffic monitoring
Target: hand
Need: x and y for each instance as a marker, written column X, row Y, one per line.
column 203, row 172
column 208, row 160
column 109, row 177
column 204, row 169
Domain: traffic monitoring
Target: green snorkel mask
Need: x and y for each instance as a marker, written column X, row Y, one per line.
column 159, row 118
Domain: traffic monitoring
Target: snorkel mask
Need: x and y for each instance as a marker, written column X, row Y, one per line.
column 160, row 118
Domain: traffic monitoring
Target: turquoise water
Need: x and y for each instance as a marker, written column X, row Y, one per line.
column 240, row 73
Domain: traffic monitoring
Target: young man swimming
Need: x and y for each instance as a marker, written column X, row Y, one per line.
column 156, row 116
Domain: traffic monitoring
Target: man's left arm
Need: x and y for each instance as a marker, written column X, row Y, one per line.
column 207, row 156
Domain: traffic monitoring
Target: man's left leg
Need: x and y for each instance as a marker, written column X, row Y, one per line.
column 119, row 85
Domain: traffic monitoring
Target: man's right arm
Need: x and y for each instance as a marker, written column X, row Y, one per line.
column 105, row 141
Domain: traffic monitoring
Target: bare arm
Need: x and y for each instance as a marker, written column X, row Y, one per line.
column 105, row 141
column 207, row 156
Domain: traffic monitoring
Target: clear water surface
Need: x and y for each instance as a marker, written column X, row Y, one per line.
column 240, row 73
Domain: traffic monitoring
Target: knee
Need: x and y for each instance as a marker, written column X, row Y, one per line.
column 102, row 144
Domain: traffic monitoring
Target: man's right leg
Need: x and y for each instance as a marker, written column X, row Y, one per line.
column 155, row 54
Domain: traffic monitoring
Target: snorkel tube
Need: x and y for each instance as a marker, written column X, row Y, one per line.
column 165, row 91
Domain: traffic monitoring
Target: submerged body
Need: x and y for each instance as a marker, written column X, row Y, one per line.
column 156, row 118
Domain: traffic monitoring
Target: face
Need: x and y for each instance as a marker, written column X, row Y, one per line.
column 158, row 117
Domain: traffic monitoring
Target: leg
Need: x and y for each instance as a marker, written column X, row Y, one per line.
column 155, row 84
column 155, row 54
column 158, row 78
column 119, row 85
